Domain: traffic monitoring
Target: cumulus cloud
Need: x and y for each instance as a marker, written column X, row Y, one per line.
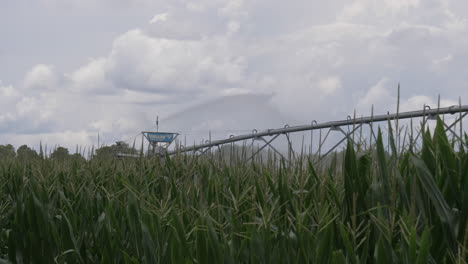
column 329, row 85
column 377, row 95
column 8, row 91
column 90, row 77
column 140, row 62
column 383, row 97
column 40, row 77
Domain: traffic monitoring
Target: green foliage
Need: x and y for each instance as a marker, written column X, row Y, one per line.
column 110, row 152
column 25, row 153
column 379, row 208
column 7, row 152
column 60, row 153
column 77, row 157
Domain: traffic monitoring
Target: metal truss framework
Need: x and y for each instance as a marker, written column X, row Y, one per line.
column 357, row 123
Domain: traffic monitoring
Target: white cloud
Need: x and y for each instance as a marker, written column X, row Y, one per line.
column 26, row 105
column 402, row 4
column 383, row 96
column 159, row 18
column 235, row 91
column 329, row 85
column 195, row 6
column 8, row 91
column 379, row 96
column 140, row 62
column 233, row 27
column 40, row 77
column 418, row 102
column 442, row 61
column 232, row 8
column 90, row 77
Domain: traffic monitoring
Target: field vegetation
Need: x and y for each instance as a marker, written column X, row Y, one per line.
column 375, row 206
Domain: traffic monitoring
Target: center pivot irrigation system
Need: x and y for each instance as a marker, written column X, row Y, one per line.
column 160, row 141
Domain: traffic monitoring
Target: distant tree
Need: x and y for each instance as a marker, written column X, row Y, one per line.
column 109, row 152
column 106, row 152
column 7, row 151
column 60, row 153
column 77, row 157
column 25, row 153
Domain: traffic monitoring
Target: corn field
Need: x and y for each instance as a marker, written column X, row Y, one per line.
column 375, row 207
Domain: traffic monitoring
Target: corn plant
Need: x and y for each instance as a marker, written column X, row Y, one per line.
column 379, row 207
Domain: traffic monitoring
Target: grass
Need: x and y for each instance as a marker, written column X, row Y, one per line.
column 378, row 207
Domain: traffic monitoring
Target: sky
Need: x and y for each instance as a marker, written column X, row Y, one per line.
column 71, row 70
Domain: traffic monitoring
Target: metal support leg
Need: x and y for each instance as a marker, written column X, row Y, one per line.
column 322, row 142
column 273, row 148
column 453, row 133
column 373, row 136
column 204, row 151
column 341, row 141
column 402, row 146
column 447, row 128
column 260, row 149
column 348, row 134
column 312, row 137
column 419, row 134
column 455, row 122
column 290, row 148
